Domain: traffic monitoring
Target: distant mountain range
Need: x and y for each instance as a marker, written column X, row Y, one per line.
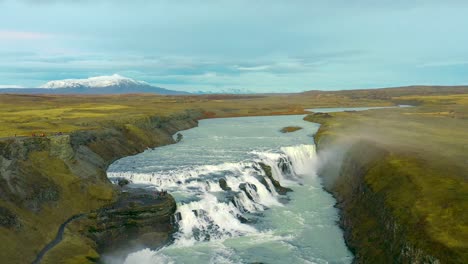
column 114, row 84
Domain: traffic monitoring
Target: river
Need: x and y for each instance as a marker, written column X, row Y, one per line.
column 252, row 222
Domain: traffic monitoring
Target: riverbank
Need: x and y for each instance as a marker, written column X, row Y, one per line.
column 399, row 177
column 139, row 219
column 48, row 180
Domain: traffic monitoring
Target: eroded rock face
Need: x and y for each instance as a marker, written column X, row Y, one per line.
column 279, row 189
column 65, row 175
column 223, row 185
column 123, row 182
column 21, row 183
column 365, row 211
column 245, row 188
column 139, row 219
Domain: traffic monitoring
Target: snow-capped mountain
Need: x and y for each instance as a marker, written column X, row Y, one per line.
column 94, row 82
column 114, row 84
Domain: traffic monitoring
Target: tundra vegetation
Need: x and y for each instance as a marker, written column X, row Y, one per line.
column 403, row 183
column 25, row 114
column 46, row 180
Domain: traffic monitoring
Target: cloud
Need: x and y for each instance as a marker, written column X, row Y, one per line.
column 329, row 70
column 22, row 35
column 3, row 86
column 445, row 63
column 162, row 65
column 254, row 68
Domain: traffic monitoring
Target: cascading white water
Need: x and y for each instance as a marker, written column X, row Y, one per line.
column 303, row 158
column 207, row 217
column 222, row 226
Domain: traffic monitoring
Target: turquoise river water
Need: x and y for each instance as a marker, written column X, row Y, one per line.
column 252, row 222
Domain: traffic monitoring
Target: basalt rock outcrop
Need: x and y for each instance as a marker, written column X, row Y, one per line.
column 290, row 129
column 223, row 184
column 279, row 189
column 139, row 219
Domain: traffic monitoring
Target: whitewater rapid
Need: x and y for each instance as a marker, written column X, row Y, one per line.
column 249, row 221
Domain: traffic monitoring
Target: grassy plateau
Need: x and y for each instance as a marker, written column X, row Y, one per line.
column 422, row 178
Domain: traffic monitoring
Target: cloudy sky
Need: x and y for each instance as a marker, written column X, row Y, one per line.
column 214, row 45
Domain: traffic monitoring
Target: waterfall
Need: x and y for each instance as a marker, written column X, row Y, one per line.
column 303, row 158
column 209, row 212
column 209, row 219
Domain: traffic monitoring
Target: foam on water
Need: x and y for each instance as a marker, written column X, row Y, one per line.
column 147, row 256
column 207, row 217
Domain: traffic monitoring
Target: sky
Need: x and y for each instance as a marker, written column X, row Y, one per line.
column 219, row 45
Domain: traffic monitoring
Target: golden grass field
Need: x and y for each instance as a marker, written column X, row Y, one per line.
column 25, row 114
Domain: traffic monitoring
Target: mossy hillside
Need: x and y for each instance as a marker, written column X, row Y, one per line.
column 433, row 208
column 55, row 178
column 137, row 220
column 40, row 226
column 322, row 118
column 405, row 220
column 410, row 203
column 74, row 249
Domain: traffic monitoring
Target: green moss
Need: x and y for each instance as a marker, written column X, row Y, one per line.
column 137, row 133
column 419, row 196
column 60, row 194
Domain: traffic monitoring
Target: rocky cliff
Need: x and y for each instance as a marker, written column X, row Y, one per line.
column 45, row 181
column 396, row 205
column 371, row 229
column 139, row 219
